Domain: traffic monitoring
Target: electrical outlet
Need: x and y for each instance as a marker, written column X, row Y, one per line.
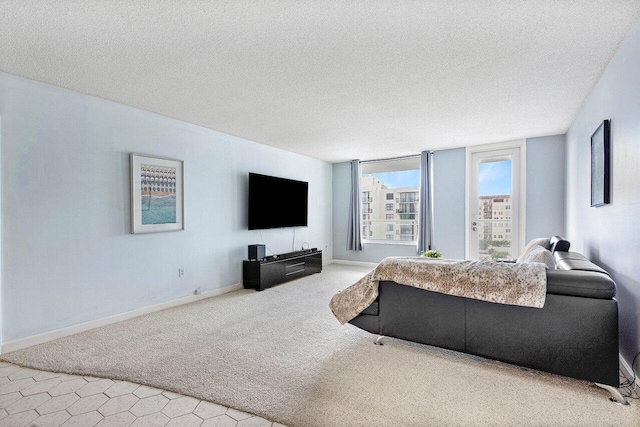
column 180, row 272
column 197, row 291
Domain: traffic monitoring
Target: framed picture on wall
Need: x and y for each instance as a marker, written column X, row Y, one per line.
column 157, row 194
column 600, row 146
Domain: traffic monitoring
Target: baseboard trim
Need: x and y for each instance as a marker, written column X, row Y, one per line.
column 355, row 263
column 44, row 337
column 327, row 262
column 627, row 370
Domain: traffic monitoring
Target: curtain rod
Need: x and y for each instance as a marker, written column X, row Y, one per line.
column 392, row 158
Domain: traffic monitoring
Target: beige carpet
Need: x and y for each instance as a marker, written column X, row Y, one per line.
column 280, row 354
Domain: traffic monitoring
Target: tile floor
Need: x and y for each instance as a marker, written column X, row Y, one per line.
column 29, row 397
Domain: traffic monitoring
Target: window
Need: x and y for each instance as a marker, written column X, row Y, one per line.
column 411, row 197
column 408, row 208
column 396, row 182
column 406, row 229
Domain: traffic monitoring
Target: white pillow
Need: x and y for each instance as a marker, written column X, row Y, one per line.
column 541, row 241
column 540, row 254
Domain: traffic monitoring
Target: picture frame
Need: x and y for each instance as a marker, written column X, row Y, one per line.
column 157, row 194
column 600, row 165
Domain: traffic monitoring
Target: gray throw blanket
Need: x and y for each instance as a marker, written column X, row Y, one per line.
column 523, row 284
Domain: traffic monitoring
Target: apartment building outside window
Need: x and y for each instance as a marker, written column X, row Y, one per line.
column 495, row 235
column 408, row 197
column 408, row 208
column 407, row 229
column 390, row 193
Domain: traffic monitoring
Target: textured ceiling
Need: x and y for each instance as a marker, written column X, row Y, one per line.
column 334, row 80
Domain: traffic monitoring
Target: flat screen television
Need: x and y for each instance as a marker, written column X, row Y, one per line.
column 277, row 202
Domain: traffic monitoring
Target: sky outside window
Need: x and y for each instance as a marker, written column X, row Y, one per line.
column 397, row 179
column 494, row 178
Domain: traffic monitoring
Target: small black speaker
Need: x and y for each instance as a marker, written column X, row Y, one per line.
column 256, row 252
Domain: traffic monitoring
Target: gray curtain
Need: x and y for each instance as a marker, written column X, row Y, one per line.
column 425, row 226
column 354, row 237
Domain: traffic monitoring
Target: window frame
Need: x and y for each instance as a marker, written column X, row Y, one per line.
column 390, row 196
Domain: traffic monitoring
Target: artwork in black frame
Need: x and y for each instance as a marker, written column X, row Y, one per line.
column 600, row 146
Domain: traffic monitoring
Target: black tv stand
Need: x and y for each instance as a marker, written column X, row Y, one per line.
column 280, row 268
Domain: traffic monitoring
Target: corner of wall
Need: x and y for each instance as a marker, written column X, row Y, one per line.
column 607, row 235
column 80, row 262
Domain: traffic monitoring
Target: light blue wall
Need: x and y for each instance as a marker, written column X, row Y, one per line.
column 449, row 178
column 610, row 235
column 448, row 196
column 545, row 194
column 545, row 186
column 67, row 255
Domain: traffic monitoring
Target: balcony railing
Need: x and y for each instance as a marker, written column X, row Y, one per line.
column 491, row 222
column 404, row 210
column 402, row 230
